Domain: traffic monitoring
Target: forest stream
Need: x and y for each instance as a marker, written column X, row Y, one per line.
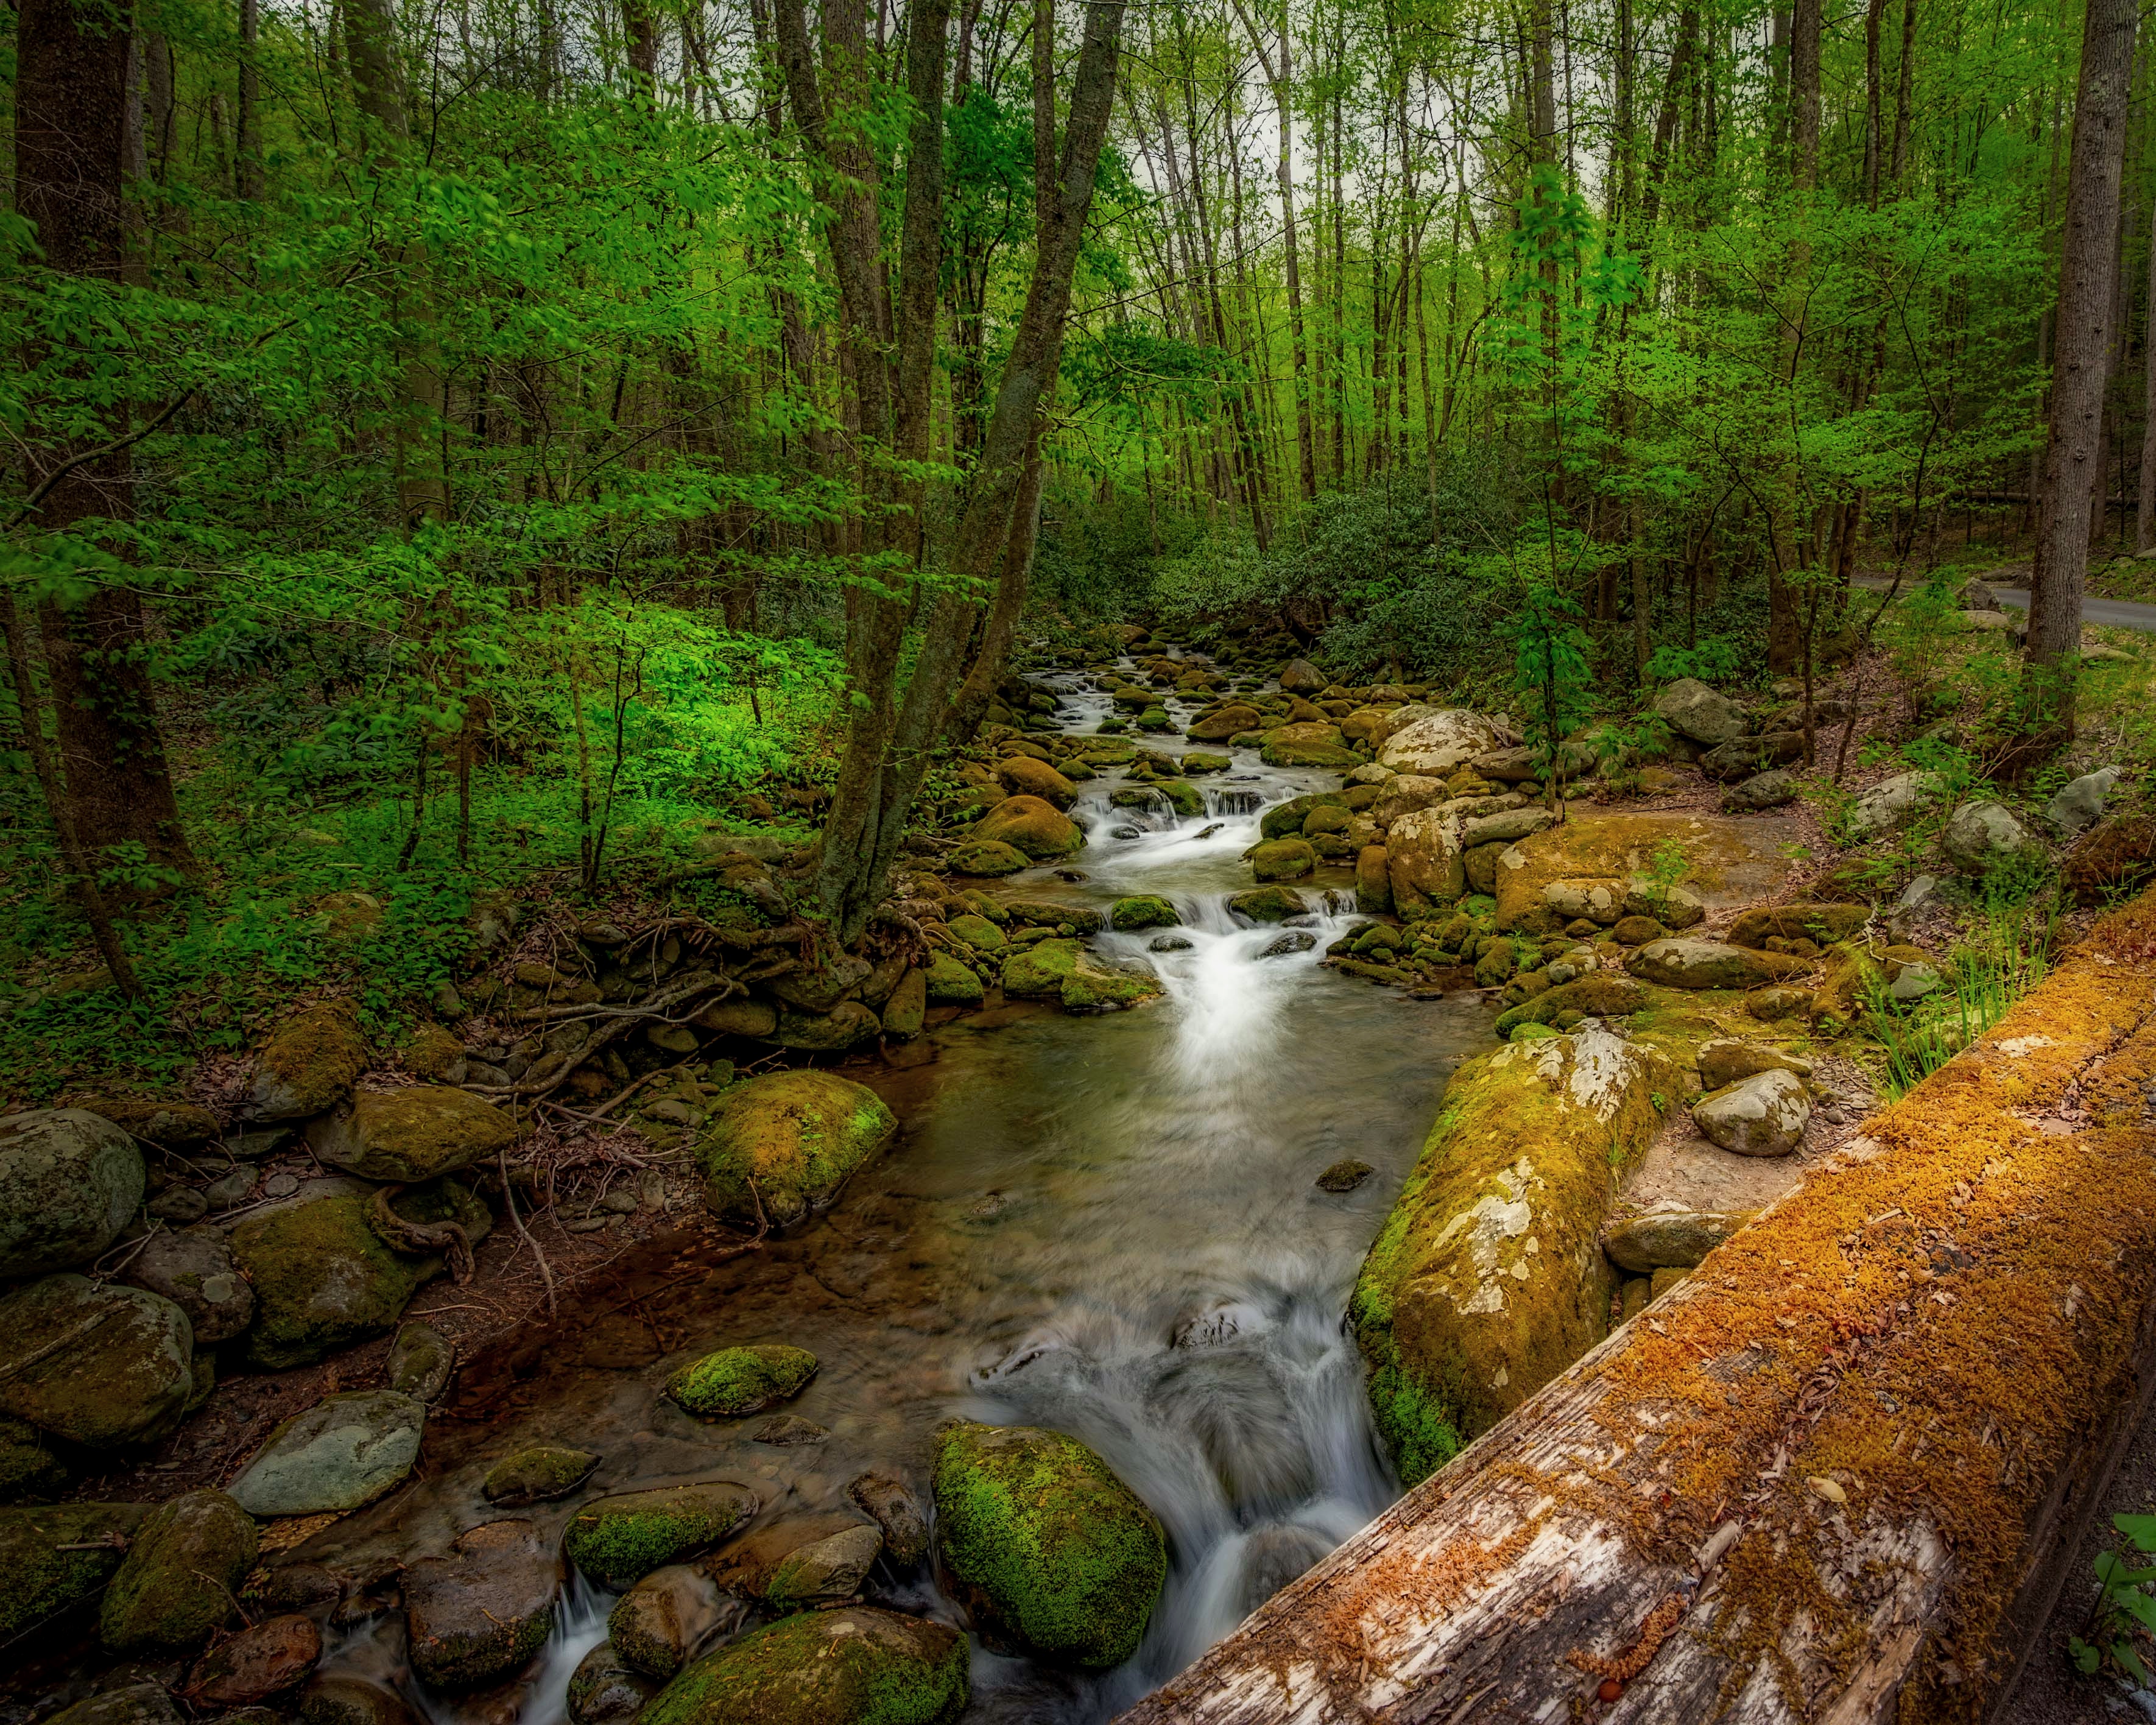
column 1105, row 1225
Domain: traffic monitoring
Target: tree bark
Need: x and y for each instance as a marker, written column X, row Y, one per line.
column 2144, row 525
column 2074, row 448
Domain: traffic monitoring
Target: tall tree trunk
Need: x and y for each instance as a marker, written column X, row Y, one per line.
column 2144, row 525
column 2094, row 178
column 112, row 785
column 247, row 144
column 1790, row 550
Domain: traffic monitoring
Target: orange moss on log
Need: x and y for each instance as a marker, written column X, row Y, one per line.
column 1926, row 1328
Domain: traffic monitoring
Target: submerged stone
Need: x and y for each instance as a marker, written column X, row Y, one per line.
column 736, row 1381
column 538, row 1475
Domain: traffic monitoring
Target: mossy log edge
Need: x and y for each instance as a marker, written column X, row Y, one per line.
column 1835, row 1475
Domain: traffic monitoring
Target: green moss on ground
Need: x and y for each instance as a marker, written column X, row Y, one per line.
column 736, row 1381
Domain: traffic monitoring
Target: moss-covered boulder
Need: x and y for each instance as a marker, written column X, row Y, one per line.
column 325, row 1279
column 855, row 1666
column 102, row 1366
column 538, row 1475
column 1146, row 910
column 987, row 858
column 951, row 983
column 616, row 1541
column 1679, row 962
column 735, row 1381
column 1184, row 798
column 68, row 1181
column 1488, row 1278
column 1283, row 860
column 1598, row 994
column 1027, row 824
column 661, row 1620
column 418, row 1132
column 1269, row 904
column 310, row 1064
column 1046, row 1549
column 54, row 1556
column 796, row 1136
column 31, row 1471
column 1824, row 923
column 1309, row 744
column 126, row 1704
column 1434, row 742
column 193, row 1268
column 1063, row 970
column 1023, row 775
column 1425, row 861
column 344, row 1452
column 1225, row 723
column 978, row 933
column 482, row 1609
column 182, row 1574
column 1727, row 861
column 1285, row 820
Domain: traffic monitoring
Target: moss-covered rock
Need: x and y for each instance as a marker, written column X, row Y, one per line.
column 987, row 858
column 1036, row 828
column 30, row 1472
column 661, row 1620
column 797, row 1136
column 1283, row 860
column 616, row 1541
column 343, row 1452
column 951, row 983
column 103, row 1366
column 1062, row 971
column 180, row 1575
column 418, row 1132
column 538, row 1475
column 310, row 1064
column 1433, row 741
column 1225, row 723
column 1146, row 910
column 1023, row 775
column 605, row 1690
column 1047, row 1551
column 1727, row 861
column 1285, row 820
column 1487, row 1279
column 54, row 1556
column 482, row 1609
column 1683, row 963
column 1598, row 994
column 1423, row 860
column 324, row 1279
column 735, row 1381
column 68, row 1181
column 855, row 1666
column 1269, row 904
column 1824, row 923
column 128, row 1704
column 978, row 932
column 194, row 1270
column 1308, row 744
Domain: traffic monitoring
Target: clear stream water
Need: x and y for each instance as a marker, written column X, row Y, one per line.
column 1106, row 1225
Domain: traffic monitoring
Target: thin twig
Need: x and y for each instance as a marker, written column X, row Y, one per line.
column 509, row 1198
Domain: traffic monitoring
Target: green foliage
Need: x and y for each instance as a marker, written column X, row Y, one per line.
column 2005, row 957
column 1550, row 671
column 2124, row 1609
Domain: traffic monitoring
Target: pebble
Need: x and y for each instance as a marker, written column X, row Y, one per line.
column 784, row 1430
column 180, row 1204
column 230, row 1189
column 280, row 1185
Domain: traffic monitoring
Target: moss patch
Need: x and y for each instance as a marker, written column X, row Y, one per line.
column 857, row 1666
column 180, row 1576
column 619, row 1541
column 736, row 1381
column 59, row 1555
column 1047, row 1550
column 797, row 1136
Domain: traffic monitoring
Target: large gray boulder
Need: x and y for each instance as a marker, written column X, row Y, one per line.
column 1764, row 1115
column 193, row 1269
column 2080, row 804
column 1692, row 710
column 1891, row 805
column 103, row 1366
column 413, row 1134
column 68, row 1181
column 1981, row 837
column 342, row 1452
column 1437, row 742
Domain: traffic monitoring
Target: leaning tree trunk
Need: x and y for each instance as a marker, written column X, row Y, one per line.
column 113, row 782
column 2074, row 447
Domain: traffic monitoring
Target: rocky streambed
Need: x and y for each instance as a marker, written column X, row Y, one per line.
column 1088, row 1291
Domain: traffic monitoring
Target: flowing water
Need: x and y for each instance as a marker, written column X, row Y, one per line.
column 1105, row 1226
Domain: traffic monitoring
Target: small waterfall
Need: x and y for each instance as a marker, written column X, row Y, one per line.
column 1225, row 801
column 580, row 1625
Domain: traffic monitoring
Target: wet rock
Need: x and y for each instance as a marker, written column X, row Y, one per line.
column 1981, row 837
column 616, row 1541
column 132, row 1704
column 1145, row 910
column 857, row 1666
column 309, row 1065
column 1308, row 744
column 1891, row 805
column 1024, row 777
column 2079, row 804
column 951, row 983
column 256, row 1664
column 1662, row 1238
column 1268, row 904
column 1683, row 963
column 897, row 1512
column 180, row 1576
column 1433, row 742
column 1295, row 940
column 416, row 1133
column 1344, row 1176
column 604, row 1690
column 736, row 1381
column 799, row 1136
column 987, row 858
column 54, row 1556
column 1729, row 1060
column 906, row 1010
column 479, row 1612
column 344, row 1452
column 1705, row 715
column 101, row 1366
column 1824, row 923
column 420, row 1362
column 1170, row 943
column 786, row 1431
column 1771, row 789
column 844, row 1025
column 824, row 1571
column 296, row 1587
column 537, row 1475
column 1044, row 1547
column 338, row 1699
column 1229, row 721
column 1272, row 1558
column 1764, row 1115
column 1064, row 971
column 69, row 1182
column 195, row 1272
column 661, row 1621
column 1283, row 860
column 1035, row 828
column 324, row 1279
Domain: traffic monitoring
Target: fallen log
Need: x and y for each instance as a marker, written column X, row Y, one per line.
column 1832, row 1475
